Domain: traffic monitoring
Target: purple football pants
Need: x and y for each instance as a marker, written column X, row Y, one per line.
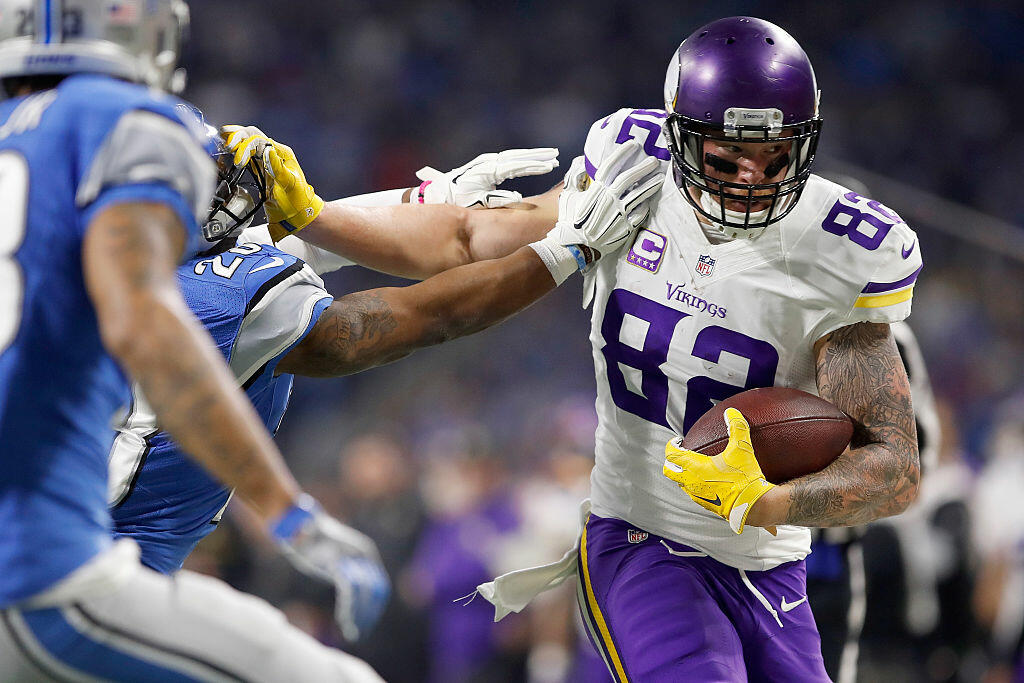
column 657, row 610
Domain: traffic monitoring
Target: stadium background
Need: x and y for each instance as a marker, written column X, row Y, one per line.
column 467, row 460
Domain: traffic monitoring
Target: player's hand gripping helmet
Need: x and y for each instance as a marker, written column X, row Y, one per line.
column 741, row 80
column 137, row 40
column 241, row 190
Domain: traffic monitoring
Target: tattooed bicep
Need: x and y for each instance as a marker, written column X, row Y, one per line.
column 859, row 369
column 354, row 333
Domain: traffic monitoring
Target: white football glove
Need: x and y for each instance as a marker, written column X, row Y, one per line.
column 474, row 184
column 321, row 546
column 602, row 213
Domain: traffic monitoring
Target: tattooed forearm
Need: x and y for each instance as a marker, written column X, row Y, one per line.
column 367, row 329
column 128, row 259
column 354, row 333
column 859, row 369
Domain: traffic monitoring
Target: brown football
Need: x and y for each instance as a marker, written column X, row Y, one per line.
column 793, row 432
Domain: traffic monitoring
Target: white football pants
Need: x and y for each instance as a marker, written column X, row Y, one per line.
column 114, row 619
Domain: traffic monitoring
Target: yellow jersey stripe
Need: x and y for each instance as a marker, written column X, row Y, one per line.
column 879, row 300
column 602, row 626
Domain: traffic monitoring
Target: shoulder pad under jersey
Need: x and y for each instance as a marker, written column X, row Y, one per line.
column 254, row 299
column 98, row 102
column 130, row 143
column 643, row 125
column 862, row 257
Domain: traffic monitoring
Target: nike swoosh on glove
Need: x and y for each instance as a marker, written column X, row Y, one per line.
column 727, row 484
column 292, row 203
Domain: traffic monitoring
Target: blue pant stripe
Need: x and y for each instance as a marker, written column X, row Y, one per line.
column 165, row 648
column 48, row 22
column 94, row 657
column 26, row 651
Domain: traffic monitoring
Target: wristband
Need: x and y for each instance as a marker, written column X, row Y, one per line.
column 560, row 260
column 423, row 189
column 294, row 518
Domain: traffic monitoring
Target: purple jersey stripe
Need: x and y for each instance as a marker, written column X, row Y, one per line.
column 591, row 169
column 656, row 113
column 877, row 287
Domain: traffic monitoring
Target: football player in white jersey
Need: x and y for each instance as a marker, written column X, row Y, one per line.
column 750, row 272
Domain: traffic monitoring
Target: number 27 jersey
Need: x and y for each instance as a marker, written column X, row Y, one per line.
column 680, row 323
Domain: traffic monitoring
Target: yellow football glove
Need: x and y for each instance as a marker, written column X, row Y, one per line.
column 292, row 204
column 727, row 484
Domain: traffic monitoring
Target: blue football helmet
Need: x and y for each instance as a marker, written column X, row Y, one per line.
column 136, row 40
column 241, row 190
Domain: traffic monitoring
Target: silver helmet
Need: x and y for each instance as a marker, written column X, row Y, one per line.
column 137, row 40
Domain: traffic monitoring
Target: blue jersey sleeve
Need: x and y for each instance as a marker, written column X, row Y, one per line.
column 136, row 146
column 274, row 296
column 286, row 298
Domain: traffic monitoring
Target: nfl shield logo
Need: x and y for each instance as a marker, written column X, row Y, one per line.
column 705, row 265
column 635, row 536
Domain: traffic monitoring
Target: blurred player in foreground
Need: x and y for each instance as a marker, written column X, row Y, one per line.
column 102, row 182
column 750, row 272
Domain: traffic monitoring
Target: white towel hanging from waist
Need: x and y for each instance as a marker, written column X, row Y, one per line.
column 513, row 591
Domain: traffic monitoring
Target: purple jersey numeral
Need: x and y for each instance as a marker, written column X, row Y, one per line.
column 653, row 129
column 662, row 321
column 710, row 343
column 855, row 216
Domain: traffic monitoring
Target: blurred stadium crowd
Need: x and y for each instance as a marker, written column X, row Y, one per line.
column 468, row 460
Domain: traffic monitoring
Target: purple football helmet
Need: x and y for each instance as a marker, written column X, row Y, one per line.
column 741, row 79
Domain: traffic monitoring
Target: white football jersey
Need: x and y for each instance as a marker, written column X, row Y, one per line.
column 680, row 323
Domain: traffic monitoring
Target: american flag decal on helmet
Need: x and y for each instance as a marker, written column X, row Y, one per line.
column 123, row 11
column 636, row 536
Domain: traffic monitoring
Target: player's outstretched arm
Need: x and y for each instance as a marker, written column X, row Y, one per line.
column 426, row 240
column 129, row 256
column 370, row 328
column 374, row 327
column 858, row 369
column 404, row 238
column 420, row 241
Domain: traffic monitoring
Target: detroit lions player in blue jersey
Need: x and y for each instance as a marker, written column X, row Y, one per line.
column 102, row 181
column 263, row 307
column 256, row 302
